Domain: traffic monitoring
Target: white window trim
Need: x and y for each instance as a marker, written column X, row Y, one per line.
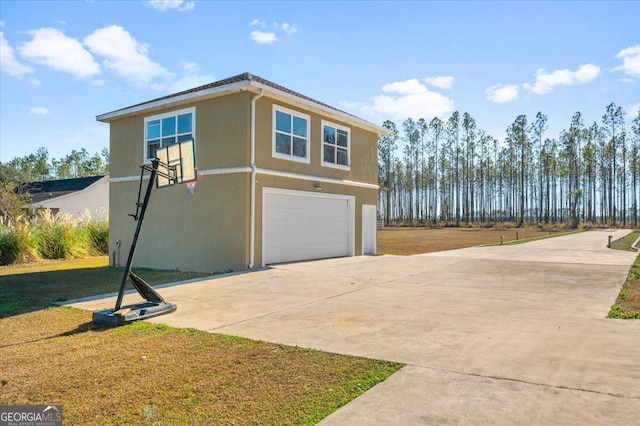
column 337, row 127
column 291, row 157
column 176, row 113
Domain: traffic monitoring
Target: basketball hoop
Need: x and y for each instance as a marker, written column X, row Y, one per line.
column 191, row 186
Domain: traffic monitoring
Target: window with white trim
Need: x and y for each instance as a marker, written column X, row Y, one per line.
column 336, row 144
column 290, row 134
column 168, row 129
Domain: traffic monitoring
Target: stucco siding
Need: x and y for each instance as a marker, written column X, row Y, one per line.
column 223, row 131
column 205, row 231
column 209, row 231
column 363, row 157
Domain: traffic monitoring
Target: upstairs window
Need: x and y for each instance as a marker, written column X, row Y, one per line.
column 167, row 129
column 336, row 143
column 290, row 134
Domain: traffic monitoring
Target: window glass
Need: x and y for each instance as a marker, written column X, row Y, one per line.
column 335, row 145
column 290, row 134
column 342, row 138
column 153, row 129
column 299, row 147
column 329, row 135
column 168, row 126
column 168, row 141
column 342, row 157
column 184, row 123
column 299, row 126
column 283, row 122
column 152, row 146
column 283, row 144
column 167, row 129
column 329, row 154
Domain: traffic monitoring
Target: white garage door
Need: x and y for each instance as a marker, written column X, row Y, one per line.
column 302, row 226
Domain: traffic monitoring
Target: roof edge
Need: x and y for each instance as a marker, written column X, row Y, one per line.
column 168, row 101
column 251, row 83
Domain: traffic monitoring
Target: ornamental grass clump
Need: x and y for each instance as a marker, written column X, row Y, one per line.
column 59, row 236
column 17, row 241
column 98, row 232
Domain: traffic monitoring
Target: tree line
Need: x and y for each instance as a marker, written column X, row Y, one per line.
column 39, row 167
column 17, row 173
column 452, row 172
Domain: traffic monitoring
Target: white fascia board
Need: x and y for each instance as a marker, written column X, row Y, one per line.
column 174, row 100
column 324, row 110
column 254, row 87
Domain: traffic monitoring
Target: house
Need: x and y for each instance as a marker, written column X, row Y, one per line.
column 281, row 177
column 74, row 196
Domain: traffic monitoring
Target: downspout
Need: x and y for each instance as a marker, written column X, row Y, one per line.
column 252, row 232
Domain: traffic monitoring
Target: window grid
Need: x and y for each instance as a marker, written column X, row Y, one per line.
column 336, row 145
column 168, row 129
column 290, row 135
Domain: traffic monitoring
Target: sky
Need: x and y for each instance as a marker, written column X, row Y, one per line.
column 62, row 63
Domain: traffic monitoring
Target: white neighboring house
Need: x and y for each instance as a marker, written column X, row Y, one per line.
column 73, row 196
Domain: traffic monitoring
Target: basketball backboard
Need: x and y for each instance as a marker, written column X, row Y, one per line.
column 177, row 164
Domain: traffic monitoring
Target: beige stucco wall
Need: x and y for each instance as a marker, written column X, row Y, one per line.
column 205, row 231
column 221, row 133
column 93, row 199
column 209, row 230
column 364, row 167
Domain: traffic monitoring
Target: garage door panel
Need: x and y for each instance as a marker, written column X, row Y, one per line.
column 300, row 227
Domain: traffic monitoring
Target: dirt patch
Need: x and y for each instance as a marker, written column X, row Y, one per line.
column 409, row 241
column 633, row 299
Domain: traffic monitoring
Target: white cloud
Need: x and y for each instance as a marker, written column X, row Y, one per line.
column 630, row 61
column 190, row 78
column 124, row 55
column 502, row 94
column 54, row 49
column 632, row 111
column 263, row 37
column 8, row 61
column 38, row 110
column 268, row 33
column 545, row 82
column 441, row 82
column 288, row 28
column 404, row 99
column 164, row 5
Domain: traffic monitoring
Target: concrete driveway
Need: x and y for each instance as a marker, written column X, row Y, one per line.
column 490, row 335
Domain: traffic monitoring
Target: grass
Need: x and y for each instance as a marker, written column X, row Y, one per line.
column 627, row 305
column 146, row 373
column 625, row 243
column 409, row 241
column 28, row 287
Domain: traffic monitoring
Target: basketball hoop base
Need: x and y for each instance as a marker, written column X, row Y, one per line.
column 135, row 312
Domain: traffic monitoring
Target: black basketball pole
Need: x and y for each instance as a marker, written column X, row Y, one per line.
column 139, row 218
